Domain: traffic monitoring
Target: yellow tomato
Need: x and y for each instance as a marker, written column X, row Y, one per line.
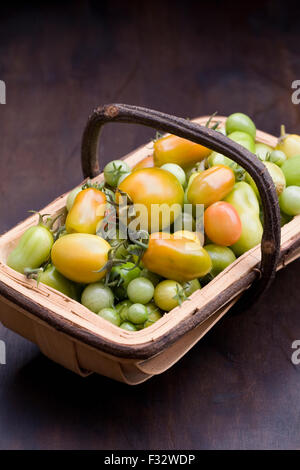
column 173, row 149
column 79, row 255
column 87, row 211
column 157, row 196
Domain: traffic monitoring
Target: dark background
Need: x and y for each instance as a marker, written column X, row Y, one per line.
column 238, row 387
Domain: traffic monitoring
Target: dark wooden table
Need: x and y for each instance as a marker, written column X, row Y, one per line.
column 238, row 387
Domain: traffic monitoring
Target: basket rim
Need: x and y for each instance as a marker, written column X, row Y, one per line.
column 149, row 348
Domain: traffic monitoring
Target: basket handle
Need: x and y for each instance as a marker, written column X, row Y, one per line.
column 270, row 244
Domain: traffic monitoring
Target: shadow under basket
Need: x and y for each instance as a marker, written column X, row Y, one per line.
column 71, row 335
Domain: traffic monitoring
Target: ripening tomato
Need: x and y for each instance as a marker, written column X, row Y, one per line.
column 157, row 196
column 211, row 185
column 80, row 256
column 87, row 211
column 222, row 223
column 174, row 149
column 180, row 259
column 147, row 162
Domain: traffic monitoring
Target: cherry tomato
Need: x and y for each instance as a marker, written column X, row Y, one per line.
column 289, row 200
column 183, row 152
column 111, row 315
column 87, row 211
column 211, row 185
column 167, row 295
column 113, row 170
column 222, row 223
column 97, row 296
column 291, row 170
column 155, row 191
column 221, row 257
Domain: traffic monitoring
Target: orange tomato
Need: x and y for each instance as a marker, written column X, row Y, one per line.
column 173, row 149
column 153, row 192
column 222, row 223
column 86, row 212
column 147, row 162
column 180, row 259
column 211, row 185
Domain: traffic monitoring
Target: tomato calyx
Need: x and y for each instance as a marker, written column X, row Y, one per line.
column 180, row 295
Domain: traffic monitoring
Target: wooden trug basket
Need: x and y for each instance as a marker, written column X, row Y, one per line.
column 71, row 335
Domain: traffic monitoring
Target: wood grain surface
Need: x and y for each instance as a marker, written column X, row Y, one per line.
column 238, row 387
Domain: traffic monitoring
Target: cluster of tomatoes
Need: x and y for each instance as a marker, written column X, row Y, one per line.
column 130, row 271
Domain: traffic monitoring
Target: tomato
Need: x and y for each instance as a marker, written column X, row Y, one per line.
column 111, row 315
column 167, row 295
column 183, row 152
column 154, row 278
column 137, row 313
column 221, row 257
column 78, row 256
column 240, row 122
column 222, row 223
column 276, row 174
column 289, row 200
column 113, row 170
column 147, row 162
column 244, row 200
column 178, row 259
column 211, row 185
column 289, row 144
column 188, row 235
column 216, row 158
column 153, row 192
column 52, row 278
column 97, row 296
column 32, row 250
column 153, row 314
column 127, row 325
column 243, row 139
column 87, row 211
column 291, row 170
column 176, row 170
column 71, row 197
column 262, row 150
column 140, row 290
column 190, row 287
column 122, row 309
column 277, row 157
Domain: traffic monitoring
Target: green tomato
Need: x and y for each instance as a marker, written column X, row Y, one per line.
column 153, row 316
column 240, row 122
column 278, row 157
column 154, row 278
column 166, row 295
column 125, row 273
column 122, row 177
column 190, row 287
column 126, row 325
column 97, row 296
column 111, row 315
column 245, row 140
column 52, row 278
column 244, row 200
column 291, row 170
column 276, row 174
column 113, row 170
column 122, row 309
column 176, row 170
column 71, row 197
column 140, row 290
column 262, row 150
column 221, row 257
column 216, row 158
column 289, row 200
column 32, row 250
column 137, row 313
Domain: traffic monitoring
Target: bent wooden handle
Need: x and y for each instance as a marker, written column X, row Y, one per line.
column 270, row 245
